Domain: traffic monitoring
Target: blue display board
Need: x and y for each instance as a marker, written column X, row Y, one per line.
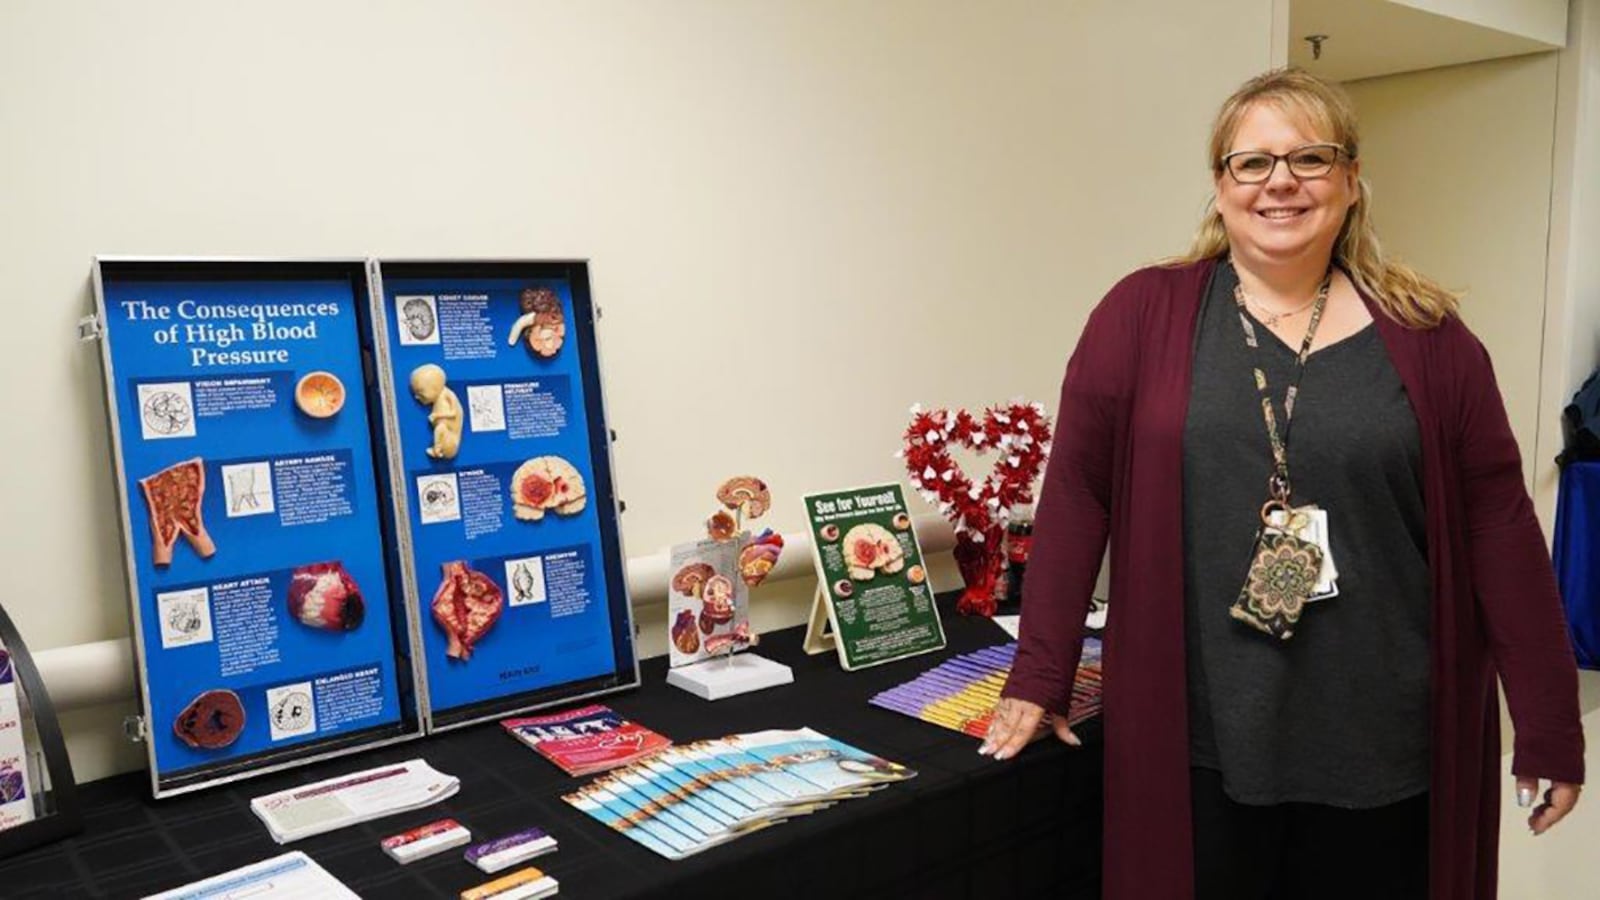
column 256, row 516
column 503, row 462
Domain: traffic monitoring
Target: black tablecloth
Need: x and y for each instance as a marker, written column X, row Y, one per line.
column 964, row 827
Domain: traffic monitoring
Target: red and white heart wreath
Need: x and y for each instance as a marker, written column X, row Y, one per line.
column 1019, row 432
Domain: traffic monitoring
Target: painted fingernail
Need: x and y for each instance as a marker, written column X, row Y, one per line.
column 1524, row 797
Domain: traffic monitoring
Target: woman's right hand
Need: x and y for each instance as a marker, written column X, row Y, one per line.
column 1014, row 724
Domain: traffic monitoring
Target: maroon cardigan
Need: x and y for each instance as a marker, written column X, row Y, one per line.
column 1116, row 470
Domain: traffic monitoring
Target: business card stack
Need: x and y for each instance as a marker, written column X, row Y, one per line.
column 504, row 852
column 425, row 841
column 960, row 693
column 530, row 883
column 692, row 797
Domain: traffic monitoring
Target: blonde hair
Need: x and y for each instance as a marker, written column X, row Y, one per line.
column 1405, row 295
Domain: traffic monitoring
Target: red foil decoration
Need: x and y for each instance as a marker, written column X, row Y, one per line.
column 1019, row 434
column 980, row 567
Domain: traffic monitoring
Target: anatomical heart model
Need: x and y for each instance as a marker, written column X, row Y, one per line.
column 708, row 596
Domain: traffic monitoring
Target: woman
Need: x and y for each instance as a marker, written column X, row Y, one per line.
column 1334, row 727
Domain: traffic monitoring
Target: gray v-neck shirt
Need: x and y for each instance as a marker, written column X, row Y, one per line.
column 1338, row 714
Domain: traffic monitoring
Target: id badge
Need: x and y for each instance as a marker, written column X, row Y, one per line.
column 1284, row 572
column 1314, row 529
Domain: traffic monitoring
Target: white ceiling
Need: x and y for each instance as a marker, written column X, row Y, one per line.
column 1369, row 38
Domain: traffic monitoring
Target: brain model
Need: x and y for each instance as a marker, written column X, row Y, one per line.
column 547, row 483
column 722, row 526
column 718, row 608
column 690, row 580
column 870, row 549
column 748, row 492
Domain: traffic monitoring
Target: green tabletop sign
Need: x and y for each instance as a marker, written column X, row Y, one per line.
column 873, row 581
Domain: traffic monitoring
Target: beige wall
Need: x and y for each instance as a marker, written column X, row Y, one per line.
column 1460, row 160
column 802, row 216
column 1544, row 20
column 1572, row 321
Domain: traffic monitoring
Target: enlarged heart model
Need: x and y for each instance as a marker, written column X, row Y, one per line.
column 173, row 497
column 211, row 721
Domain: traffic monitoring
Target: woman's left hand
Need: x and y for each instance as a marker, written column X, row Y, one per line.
column 1558, row 801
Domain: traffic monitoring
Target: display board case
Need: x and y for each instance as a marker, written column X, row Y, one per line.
column 360, row 501
column 506, row 501
column 250, row 470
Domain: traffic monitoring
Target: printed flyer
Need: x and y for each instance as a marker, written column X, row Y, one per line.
column 252, row 505
column 870, row 565
column 505, row 469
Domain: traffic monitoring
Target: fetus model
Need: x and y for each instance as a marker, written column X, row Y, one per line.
column 428, row 386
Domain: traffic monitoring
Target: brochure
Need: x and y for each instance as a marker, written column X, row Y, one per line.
column 348, row 799
column 585, row 801
column 586, row 740
column 690, row 764
column 687, row 799
column 292, row 876
column 833, row 767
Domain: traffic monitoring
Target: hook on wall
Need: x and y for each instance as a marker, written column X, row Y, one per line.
column 1316, row 44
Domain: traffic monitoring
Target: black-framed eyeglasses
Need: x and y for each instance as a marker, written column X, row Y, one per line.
column 1310, row 161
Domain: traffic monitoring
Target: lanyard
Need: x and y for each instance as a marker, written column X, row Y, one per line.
column 1278, row 484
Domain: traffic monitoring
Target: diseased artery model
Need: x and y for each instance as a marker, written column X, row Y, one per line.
column 466, row 606
column 173, row 496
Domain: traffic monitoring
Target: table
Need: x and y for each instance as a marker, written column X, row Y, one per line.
column 966, row 826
